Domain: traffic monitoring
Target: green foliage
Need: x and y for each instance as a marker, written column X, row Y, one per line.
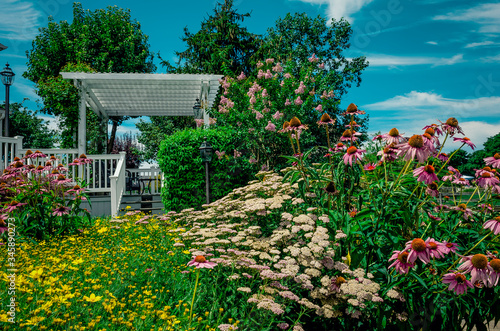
column 42, row 204
column 459, row 159
column 24, row 122
column 180, row 161
column 296, row 37
column 221, row 43
column 475, row 160
column 152, row 133
column 127, row 143
column 96, row 41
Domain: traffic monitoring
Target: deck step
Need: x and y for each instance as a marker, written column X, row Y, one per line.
column 141, row 201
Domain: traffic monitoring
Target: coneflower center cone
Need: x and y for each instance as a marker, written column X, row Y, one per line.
column 452, row 121
column 394, row 132
column 416, row 141
column 200, row 259
column 430, row 131
column 495, row 264
column 352, row 150
column 429, row 169
column 479, row 261
column 403, row 257
column 418, row 245
column 460, row 278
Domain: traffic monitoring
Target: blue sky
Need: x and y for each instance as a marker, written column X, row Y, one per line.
column 429, row 59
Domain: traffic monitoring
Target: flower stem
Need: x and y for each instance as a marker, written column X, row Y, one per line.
column 194, row 294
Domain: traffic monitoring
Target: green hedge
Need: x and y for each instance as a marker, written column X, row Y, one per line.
column 180, row 161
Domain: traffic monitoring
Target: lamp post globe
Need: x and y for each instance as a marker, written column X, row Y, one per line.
column 7, row 76
column 197, row 110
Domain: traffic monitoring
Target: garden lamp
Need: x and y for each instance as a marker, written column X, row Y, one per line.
column 206, row 151
column 197, row 110
column 7, row 80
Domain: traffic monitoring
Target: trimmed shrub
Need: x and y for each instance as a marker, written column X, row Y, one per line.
column 180, row 161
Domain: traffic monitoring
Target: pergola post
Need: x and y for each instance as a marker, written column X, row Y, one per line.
column 204, row 103
column 82, row 123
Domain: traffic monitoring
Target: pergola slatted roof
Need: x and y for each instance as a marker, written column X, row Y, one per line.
column 137, row 94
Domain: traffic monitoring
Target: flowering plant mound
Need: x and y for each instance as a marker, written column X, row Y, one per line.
column 36, row 192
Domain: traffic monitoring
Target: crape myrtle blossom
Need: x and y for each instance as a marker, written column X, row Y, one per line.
column 477, row 265
column 493, row 225
column 353, row 153
column 493, row 161
column 465, row 140
column 401, row 263
column 426, row 174
column 414, row 148
column 458, row 282
column 270, row 126
column 313, row 58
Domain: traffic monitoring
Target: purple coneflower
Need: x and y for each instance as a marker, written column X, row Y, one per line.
column 370, row 166
column 352, row 125
column 451, row 126
column 325, row 120
column 61, row 179
column 449, row 247
column 35, row 155
column 458, row 282
column 389, row 153
column 465, row 140
column 352, row 109
column 340, row 147
column 429, row 142
column 401, row 262
column 349, row 135
column 463, row 208
column 493, row 225
column 200, row 262
column 353, row 153
column 461, row 181
column 487, row 179
column 393, row 137
column 414, row 148
column 495, row 274
column 426, row 174
column 13, row 205
column 418, row 249
column 478, row 267
column 435, row 127
column 436, row 249
column 432, row 189
column 443, row 157
column 76, row 189
column 61, row 210
column 493, row 161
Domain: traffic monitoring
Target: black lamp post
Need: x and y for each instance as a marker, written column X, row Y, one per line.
column 206, row 151
column 7, row 80
column 197, row 110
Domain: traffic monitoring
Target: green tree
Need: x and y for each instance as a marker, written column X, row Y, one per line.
column 154, row 132
column 459, row 159
column 220, row 43
column 104, row 40
column 24, row 122
column 476, row 160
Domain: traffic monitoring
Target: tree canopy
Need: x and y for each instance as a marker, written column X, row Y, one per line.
column 24, row 122
column 104, row 40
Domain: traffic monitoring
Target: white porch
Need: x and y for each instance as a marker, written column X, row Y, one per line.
column 114, row 94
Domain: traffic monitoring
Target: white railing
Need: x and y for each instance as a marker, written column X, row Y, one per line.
column 64, row 156
column 97, row 174
column 117, row 185
column 9, row 149
column 151, row 179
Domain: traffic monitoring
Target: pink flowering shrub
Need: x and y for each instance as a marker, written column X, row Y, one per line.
column 41, row 200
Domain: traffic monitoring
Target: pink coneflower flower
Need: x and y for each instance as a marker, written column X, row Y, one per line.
column 54, row 173
column 465, row 140
column 436, row 249
column 495, row 274
column 353, row 153
column 443, row 157
column 450, row 177
column 451, row 126
column 487, row 179
column 426, row 174
column 76, row 189
column 370, row 166
column 458, row 282
column 463, row 208
column 493, row 225
column 401, row 262
column 418, row 249
column 432, row 217
column 429, row 142
column 352, row 109
column 435, row 127
column 377, row 137
column 478, row 267
column 40, row 169
column 296, row 125
column 325, row 120
column 493, row 161
column 350, row 135
column 393, row 137
column 461, row 181
column 13, row 205
column 270, row 126
column 200, row 262
column 61, row 179
column 414, row 148
column 389, row 153
column 60, row 167
column 432, row 189
column 479, row 172
column 449, row 247
column 35, row 155
column 340, row 147
column 352, row 125
column 61, row 210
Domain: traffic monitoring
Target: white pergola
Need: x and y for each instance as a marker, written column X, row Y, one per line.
column 137, row 94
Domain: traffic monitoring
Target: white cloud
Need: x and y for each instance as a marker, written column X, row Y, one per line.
column 381, row 60
column 485, row 14
column 495, row 58
column 483, row 43
column 340, row 8
column 431, row 43
column 20, row 20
